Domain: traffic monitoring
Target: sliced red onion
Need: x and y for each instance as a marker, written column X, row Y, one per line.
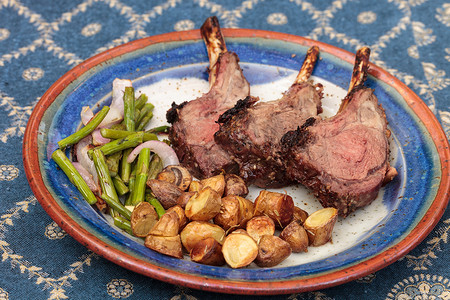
column 86, row 114
column 81, row 152
column 87, row 177
column 164, row 151
column 115, row 114
column 98, row 139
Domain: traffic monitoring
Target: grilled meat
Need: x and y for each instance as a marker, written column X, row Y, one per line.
column 194, row 122
column 251, row 131
column 343, row 159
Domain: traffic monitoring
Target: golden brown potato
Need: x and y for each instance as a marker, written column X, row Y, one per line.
column 299, row 215
column 239, row 250
column 204, row 205
column 245, row 210
column 167, row 225
column 177, row 175
column 208, row 252
column 271, row 251
column 234, row 213
column 195, row 186
column 279, row 207
column 235, row 185
column 217, row 183
column 196, row 231
column 184, row 198
column 259, row 226
column 296, row 236
column 229, row 214
column 168, row 245
column 181, row 215
column 143, row 218
column 319, row 225
column 167, row 193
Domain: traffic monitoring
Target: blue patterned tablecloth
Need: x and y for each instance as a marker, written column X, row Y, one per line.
column 40, row 40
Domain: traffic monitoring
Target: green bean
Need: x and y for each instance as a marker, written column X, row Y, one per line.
column 86, row 130
column 123, row 224
column 128, row 109
column 156, row 204
column 118, row 145
column 155, row 167
column 120, row 134
column 103, row 176
column 137, row 196
column 140, row 101
column 121, row 187
column 74, row 176
column 117, row 206
column 125, row 167
column 112, row 161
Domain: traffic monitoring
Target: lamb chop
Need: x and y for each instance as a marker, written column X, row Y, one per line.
column 343, row 159
column 194, row 122
column 251, row 131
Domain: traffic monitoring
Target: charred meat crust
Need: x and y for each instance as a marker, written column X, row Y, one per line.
column 172, row 113
column 297, row 137
column 240, row 106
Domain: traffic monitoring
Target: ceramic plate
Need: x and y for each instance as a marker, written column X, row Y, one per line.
column 172, row 68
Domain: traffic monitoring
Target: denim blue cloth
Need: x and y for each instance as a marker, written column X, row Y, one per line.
column 41, row 40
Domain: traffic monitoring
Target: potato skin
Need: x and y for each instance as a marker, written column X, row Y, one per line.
column 181, row 215
column 235, row 185
column 271, row 251
column 217, row 183
column 196, row 231
column 229, row 214
column 279, row 207
column 204, row 205
column 170, row 246
column 208, row 252
column 143, row 218
column 296, row 236
column 299, row 215
column 184, row 198
column 259, row 226
column 167, row 225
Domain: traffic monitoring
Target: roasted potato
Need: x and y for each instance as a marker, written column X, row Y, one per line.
column 181, row 215
column 208, row 252
column 299, row 215
column 143, row 218
column 167, row 193
column 235, row 185
column 167, row 225
column 229, row 214
column 196, row 231
column 279, row 207
column 259, row 226
column 246, row 208
column 177, row 175
column 168, row 245
column 271, row 251
column 239, row 249
column 319, row 225
column 296, row 236
column 217, row 183
column 184, row 198
column 204, row 205
column 195, row 186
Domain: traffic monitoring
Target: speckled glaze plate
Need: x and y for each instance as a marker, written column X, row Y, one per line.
column 172, row 67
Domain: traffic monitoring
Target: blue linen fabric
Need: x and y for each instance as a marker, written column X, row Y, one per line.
column 41, row 40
